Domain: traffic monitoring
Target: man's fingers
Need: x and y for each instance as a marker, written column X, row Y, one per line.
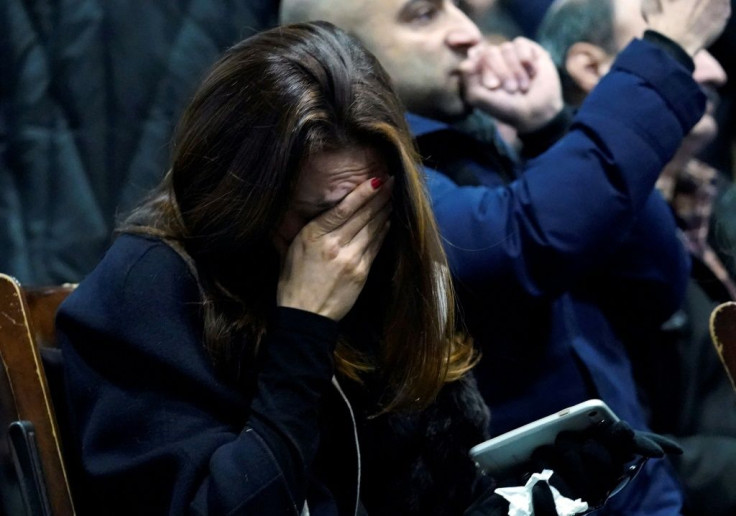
column 527, row 53
column 519, row 76
column 495, row 73
column 472, row 63
column 510, row 65
column 528, row 48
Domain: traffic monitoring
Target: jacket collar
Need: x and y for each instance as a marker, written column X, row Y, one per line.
column 420, row 125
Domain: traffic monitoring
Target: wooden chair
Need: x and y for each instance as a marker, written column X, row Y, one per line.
column 29, row 433
column 723, row 334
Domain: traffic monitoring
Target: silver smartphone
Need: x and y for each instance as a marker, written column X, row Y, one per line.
column 516, row 446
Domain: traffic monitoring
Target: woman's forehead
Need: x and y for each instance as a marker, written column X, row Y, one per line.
column 328, row 176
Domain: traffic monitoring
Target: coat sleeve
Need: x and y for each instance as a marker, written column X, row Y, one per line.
column 644, row 281
column 576, row 203
column 154, row 429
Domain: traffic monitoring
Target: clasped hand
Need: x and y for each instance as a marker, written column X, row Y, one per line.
column 328, row 262
column 515, row 82
column 693, row 24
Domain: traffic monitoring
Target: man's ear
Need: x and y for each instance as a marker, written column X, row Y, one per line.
column 586, row 64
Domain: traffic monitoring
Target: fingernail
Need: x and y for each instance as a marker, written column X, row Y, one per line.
column 376, row 183
column 490, row 81
column 510, row 85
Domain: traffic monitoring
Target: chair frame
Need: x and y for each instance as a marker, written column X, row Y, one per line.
column 723, row 335
column 26, row 322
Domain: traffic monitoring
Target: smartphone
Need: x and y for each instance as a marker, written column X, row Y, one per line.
column 515, row 447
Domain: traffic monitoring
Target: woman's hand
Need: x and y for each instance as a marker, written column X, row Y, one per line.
column 328, row 262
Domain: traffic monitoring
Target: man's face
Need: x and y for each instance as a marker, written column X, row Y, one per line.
column 421, row 43
column 709, row 74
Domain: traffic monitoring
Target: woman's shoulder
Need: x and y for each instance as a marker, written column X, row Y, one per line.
column 137, row 273
column 142, row 303
column 133, row 258
column 132, row 253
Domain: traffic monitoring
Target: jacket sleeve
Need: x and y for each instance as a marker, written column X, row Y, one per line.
column 644, row 281
column 576, row 203
column 155, row 429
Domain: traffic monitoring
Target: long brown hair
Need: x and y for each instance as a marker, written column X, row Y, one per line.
column 271, row 101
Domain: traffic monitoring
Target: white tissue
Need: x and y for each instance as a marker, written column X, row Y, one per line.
column 520, row 498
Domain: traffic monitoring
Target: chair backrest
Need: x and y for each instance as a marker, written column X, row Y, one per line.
column 27, row 412
column 723, row 334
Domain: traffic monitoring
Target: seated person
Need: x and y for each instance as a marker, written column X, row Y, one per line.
column 273, row 330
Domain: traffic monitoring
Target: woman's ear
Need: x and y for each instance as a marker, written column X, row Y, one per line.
column 586, row 63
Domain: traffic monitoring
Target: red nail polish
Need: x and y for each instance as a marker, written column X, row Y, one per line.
column 376, row 183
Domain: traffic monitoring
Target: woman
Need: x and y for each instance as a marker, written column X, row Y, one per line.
column 272, row 332
column 262, row 335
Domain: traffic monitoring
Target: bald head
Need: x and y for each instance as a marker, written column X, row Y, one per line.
column 342, row 13
column 420, row 43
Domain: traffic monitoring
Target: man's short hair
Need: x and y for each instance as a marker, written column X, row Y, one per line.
column 570, row 21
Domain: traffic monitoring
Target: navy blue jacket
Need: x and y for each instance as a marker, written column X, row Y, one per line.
column 135, row 366
column 548, row 264
column 154, row 429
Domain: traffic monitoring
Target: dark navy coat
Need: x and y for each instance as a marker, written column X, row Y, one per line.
column 153, row 428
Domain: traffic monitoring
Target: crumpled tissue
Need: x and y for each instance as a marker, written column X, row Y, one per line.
column 520, row 498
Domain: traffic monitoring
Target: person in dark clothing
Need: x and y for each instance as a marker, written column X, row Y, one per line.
column 540, row 253
column 688, row 395
column 273, row 331
column 202, row 355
